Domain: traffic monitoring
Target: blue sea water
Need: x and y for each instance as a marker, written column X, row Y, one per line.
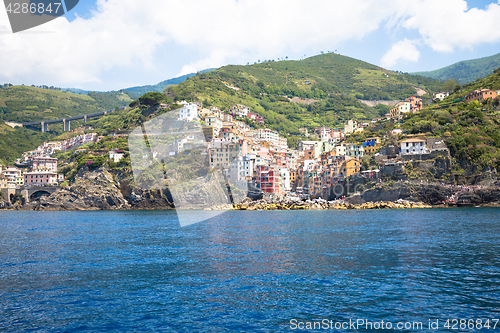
column 139, row 271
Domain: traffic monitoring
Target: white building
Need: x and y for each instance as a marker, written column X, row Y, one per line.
column 285, row 183
column 440, row 95
column 116, row 157
column 306, row 145
column 242, row 169
column 11, row 173
column 340, row 149
column 282, row 143
column 399, row 109
column 354, row 150
column 214, row 121
column 240, row 110
column 397, row 131
column 268, row 135
column 351, row 127
column 189, row 112
column 413, row 146
column 323, row 133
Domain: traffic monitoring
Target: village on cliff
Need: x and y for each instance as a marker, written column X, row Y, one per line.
column 260, row 157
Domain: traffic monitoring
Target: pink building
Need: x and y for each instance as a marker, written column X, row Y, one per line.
column 256, row 117
column 41, row 163
column 40, row 178
column 415, row 103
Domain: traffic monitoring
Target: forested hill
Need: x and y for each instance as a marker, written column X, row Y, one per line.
column 471, row 130
column 466, row 71
column 25, row 103
column 326, row 90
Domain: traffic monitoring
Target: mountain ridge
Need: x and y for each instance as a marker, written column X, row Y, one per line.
column 465, row 71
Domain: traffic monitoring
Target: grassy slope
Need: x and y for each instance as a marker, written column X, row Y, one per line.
column 466, row 71
column 336, row 82
column 23, row 103
column 15, row 141
column 471, row 130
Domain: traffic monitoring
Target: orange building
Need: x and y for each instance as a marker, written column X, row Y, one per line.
column 351, row 166
column 480, row 95
column 415, row 103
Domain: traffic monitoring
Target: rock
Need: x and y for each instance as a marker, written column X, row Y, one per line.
column 90, row 191
column 429, row 194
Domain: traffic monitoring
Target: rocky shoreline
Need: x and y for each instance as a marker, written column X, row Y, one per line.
column 100, row 190
column 319, row 204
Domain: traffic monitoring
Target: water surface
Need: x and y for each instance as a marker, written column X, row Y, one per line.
column 133, row 271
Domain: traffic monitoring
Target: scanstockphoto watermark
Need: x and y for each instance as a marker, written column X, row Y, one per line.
column 26, row 14
column 357, row 324
column 170, row 152
column 370, row 325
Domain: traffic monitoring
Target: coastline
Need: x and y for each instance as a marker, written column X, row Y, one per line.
column 100, row 190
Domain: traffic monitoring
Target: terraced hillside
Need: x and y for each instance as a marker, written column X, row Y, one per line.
column 333, row 83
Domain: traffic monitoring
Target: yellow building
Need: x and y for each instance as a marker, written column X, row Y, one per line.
column 20, row 180
column 210, row 132
column 3, row 181
column 351, row 167
column 372, row 145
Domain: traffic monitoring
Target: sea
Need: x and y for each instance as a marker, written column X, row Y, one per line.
column 414, row 270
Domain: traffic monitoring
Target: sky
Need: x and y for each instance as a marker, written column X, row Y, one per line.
column 114, row 44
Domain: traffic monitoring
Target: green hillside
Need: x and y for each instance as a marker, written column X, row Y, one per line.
column 13, row 142
column 332, row 83
column 471, row 130
column 24, row 103
column 465, row 71
column 319, row 91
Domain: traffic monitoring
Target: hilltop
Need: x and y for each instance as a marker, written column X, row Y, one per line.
column 24, row 103
column 465, row 71
column 323, row 90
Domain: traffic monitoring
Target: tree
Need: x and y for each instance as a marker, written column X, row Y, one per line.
column 151, row 98
column 496, row 102
column 451, row 85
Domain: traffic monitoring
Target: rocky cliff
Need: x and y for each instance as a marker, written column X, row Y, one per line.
column 433, row 194
column 5, row 204
column 91, row 190
column 100, row 190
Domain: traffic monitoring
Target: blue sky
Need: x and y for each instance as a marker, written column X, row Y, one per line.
column 113, row 44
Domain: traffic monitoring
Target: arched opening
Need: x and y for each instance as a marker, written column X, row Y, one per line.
column 38, row 194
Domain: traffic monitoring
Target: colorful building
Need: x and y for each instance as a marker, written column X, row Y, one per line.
column 480, row 95
column 268, row 179
column 371, row 145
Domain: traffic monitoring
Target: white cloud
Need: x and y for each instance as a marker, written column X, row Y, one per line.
column 403, row 50
column 125, row 35
column 449, row 24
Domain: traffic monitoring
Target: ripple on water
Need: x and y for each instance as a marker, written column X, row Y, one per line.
column 245, row 271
